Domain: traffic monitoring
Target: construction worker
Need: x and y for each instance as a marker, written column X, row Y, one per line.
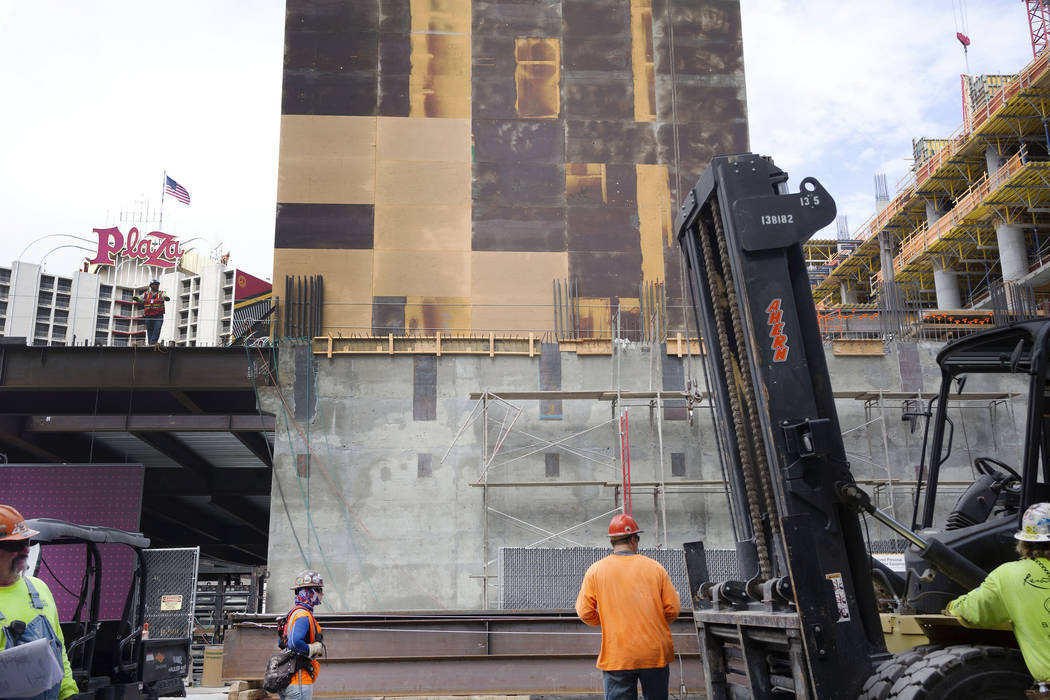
column 27, row 608
column 1019, row 592
column 303, row 634
column 631, row 597
column 152, row 303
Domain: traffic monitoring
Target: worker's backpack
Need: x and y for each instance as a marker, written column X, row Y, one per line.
column 282, row 666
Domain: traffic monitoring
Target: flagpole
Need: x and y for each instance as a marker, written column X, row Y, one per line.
column 163, row 186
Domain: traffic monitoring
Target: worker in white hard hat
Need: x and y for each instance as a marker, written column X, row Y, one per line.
column 1019, row 592
column 303, row 635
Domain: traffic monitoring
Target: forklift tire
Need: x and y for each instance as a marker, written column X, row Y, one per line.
column 878, row 686
column 959, row 672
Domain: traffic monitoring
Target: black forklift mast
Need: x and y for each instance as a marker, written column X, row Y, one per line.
column 803, row 619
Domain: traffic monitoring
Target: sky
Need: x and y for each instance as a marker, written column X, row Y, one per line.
column 101, row 98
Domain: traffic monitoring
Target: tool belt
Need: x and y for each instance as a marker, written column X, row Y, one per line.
column 1034, row 693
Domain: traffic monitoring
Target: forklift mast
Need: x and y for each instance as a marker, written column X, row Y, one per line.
column 803, row 618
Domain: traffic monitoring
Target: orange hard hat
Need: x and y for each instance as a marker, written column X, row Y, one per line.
column 13, row 525
column 623, row 526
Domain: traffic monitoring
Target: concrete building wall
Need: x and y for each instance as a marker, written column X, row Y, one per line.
column 391, row 526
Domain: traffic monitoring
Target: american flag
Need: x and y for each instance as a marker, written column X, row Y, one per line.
column 176, row 190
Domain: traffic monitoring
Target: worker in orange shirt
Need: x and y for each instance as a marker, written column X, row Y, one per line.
column 631, row 597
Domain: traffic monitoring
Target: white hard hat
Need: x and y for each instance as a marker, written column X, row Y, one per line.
column 1035, row 524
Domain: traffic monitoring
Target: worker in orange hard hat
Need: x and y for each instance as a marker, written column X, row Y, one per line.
column 27, row 608
column 633, row 600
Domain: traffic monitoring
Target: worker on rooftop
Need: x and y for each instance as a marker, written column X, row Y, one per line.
column 631, row 597
column 27, row 608
column 1019, row 592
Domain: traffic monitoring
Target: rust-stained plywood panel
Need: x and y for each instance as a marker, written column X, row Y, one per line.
column 602, row 96
column 422, row 182
column 338, row 226
column 642, row 60
column 441, row 16
column 493, row 90
column 428, row 273
column 596, row 18
column 606, row 274
column 518, row 184
column 537, row 77
column 585, row 184
column 434, row 227
column 439, row 82
column 654, row 219
column 406, row 139
column 515, row 141
column 597, row 141
column 535, row 229
column 502, row 18
column 602, row 229
column 437, row 313
column 498, row 279
column 327, row 159
column 347, row 277
column 395, row 70
column 595, row 316
column 594, row 54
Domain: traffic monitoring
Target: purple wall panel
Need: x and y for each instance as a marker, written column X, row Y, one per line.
column 110, row 496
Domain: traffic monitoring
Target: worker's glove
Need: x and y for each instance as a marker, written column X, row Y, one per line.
column 315, row 649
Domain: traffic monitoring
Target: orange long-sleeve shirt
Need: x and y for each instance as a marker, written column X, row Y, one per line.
column 631, row 597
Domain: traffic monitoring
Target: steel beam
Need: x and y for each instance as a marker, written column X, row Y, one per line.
column 143, row 423
column 454, row 653
column 183, row 368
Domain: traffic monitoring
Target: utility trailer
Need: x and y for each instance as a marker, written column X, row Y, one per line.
column 120, row 659
column 804, row 619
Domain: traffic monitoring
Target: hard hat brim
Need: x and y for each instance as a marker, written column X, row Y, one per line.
column 26, row 534
column 1025, row 537
column 627, row 534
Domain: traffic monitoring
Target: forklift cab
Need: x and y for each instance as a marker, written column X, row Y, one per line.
column 111, row 659
column 982, row 520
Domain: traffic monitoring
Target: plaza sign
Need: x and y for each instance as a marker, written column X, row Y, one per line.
column 155, row 248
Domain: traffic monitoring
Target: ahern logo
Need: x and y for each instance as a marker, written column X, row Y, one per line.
column 776, row 331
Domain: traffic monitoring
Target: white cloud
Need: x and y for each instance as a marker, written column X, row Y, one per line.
column 834, row 87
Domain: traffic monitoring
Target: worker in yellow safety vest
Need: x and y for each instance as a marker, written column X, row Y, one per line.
column 1019, row 592
column 27, row 608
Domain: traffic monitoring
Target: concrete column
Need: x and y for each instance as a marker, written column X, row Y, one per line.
column 848, row 293
column 933, row 211
column 1013, row 257
column 946, row 283
column 993, row 159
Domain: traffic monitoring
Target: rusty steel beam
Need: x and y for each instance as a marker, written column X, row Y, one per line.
column 451, row 653
column 182, row 368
